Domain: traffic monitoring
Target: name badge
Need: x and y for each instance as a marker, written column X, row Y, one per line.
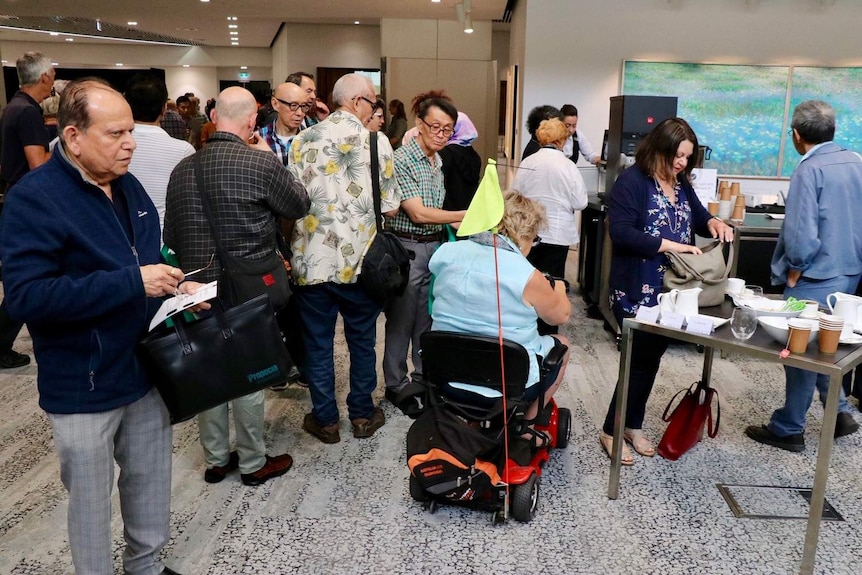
column 671, row 319
column 647, row 314
column 699, row 324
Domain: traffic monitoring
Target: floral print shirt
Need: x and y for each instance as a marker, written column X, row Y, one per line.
column 333, row 160
column 663, row 220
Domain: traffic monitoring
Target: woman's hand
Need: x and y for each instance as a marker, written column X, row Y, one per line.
column 669, row 246
column 720, row 230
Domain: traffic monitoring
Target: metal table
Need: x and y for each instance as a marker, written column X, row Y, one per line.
column 762, row 346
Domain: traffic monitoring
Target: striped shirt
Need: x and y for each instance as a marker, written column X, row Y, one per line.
column 153, row 161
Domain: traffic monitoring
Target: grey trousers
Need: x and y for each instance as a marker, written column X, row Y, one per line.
column 213, row 426
column 407, row 318
column 138, row 436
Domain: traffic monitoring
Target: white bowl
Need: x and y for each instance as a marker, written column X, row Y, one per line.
column 777, row 327
column 766, row 307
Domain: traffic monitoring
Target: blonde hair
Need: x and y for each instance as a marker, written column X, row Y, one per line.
column 551, row 132
column 522, row 217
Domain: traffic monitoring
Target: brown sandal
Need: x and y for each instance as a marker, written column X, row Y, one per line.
column 607, row 443
column 639, row 442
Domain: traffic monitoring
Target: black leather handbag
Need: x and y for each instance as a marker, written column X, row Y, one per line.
column 230, row 353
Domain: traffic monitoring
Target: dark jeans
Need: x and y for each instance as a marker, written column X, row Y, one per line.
column 319, row 306
column 290, row 324
column 9, row 329
column 549, row 259
column 647, row 351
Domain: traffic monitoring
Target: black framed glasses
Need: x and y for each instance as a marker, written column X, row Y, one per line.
column 294, row 106
column 370, row 103
column 439, row 130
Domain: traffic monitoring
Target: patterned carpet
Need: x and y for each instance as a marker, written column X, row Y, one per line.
column 345, row 508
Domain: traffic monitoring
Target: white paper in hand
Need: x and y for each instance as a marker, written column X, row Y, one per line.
column 183, row 302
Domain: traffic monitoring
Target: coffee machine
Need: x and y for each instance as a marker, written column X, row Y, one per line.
column 631, row 119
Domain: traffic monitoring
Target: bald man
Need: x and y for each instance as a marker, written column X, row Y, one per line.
column 291, row 104
column 247, row 189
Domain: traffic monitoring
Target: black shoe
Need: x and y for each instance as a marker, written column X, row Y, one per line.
column 167, row 571
column 762, row 434
column 10, row 359
column 326, row 434
column 219, row 472
column 274, row 467
column 845, row 425
column 363, row 427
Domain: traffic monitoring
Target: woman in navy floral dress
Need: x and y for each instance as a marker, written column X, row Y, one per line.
column 652, row 209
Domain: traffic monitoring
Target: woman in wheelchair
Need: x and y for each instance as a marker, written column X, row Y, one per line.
column 465, row 287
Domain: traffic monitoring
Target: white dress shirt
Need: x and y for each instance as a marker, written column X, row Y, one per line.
column 554, row 181
column 583, row 144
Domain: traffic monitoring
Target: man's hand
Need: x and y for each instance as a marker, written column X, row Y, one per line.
column 161, row 279
column 191, row 287
column 793, row 277
column 320, row 110
column 257, row 142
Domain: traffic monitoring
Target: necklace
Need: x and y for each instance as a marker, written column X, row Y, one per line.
column 665, row 202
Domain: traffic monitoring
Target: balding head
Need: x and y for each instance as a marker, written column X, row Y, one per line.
column 236, row 111
column 285, row 97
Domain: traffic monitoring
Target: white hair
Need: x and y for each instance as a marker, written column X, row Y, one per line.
column 349, row 87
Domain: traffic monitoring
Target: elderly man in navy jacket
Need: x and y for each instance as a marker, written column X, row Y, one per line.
column 80, row 247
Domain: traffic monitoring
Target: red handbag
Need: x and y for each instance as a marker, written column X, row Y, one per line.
column 687, row 421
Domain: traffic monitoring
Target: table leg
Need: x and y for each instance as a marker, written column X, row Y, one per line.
column 707, row 365
column 821, row 473
column 619, row 419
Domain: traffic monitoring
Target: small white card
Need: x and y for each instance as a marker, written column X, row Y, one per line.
column 183, row 302
column 699, row 324
column 672, row 319
column 647, row 314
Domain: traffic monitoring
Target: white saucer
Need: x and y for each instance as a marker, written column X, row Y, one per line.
column 852, row 339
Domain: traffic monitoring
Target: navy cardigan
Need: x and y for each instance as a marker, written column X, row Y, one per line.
column 627, row 208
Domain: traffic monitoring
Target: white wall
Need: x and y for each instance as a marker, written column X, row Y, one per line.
column 573, row 53
column 306, row 46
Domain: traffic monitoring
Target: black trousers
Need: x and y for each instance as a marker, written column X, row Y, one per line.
column 549, row 259
column 647, row 351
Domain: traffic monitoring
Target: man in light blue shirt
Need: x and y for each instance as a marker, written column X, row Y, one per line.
column 819, row 252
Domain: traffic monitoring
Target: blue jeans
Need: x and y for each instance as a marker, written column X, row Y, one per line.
column 319, row 306
column 800, row 384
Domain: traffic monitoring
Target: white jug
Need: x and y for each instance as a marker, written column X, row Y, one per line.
column 686, row 301
column 847, row 306
column 667, row 300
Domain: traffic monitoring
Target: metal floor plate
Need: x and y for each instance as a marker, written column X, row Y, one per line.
column 772, row 502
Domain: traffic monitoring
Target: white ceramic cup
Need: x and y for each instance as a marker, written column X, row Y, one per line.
column 811, row 310
column 735, row 285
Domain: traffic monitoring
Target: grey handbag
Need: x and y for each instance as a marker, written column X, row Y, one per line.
column 707, row 271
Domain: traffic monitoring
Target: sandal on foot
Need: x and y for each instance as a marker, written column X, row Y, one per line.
column 607, row 443
column 639, row 442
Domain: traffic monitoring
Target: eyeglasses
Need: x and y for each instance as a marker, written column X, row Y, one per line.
column 377, row 115
column 294, row 106
column 790, row 132
column 439, row 130
column 537, row 240
column 370, row 103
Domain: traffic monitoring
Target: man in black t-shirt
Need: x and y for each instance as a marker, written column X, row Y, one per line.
column 24, row 148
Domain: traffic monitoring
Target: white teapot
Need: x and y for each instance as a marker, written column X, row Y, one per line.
column 847, row 306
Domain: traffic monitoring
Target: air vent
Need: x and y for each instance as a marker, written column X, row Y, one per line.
column 74, row 26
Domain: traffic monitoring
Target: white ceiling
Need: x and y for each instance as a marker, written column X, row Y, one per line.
column 258, row 20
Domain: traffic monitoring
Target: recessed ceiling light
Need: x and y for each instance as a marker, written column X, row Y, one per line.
column 70, row 39
column 54, row 33
column 234, row 43
column 243, row 67
column 233, row 25
column 55, row 63
column 233, row 32
column 2, row 61
column 435, row 1
column 118, row 64
column 131, row 23
column 356, row 21
column 205, row 0
column 185, row 65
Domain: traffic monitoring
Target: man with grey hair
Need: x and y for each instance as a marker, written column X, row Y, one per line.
column 80, row 244
column 25, row 141
column 247, row 190
column 332, row 158
column 819, row 252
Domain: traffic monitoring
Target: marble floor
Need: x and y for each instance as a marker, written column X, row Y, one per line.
column 345, row 508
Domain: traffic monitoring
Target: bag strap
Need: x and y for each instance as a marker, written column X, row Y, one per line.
column 687, row 391
column 712, row 430
column 375, row 179
column 205, row 202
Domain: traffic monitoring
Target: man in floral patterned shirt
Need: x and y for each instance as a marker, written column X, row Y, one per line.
column 332, row 160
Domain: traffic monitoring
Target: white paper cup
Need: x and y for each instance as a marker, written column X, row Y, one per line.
column 735, row 285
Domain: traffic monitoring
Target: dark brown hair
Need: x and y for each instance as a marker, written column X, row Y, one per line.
column 656, row 153
column 434, row 98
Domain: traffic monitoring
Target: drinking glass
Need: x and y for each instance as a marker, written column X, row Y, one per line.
column 743, row 322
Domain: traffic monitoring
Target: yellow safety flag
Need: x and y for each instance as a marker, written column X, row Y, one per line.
column 486, row 209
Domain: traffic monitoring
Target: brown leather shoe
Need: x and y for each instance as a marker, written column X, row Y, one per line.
column 366, row 427
column 325, row 433
column 219, row 472
column 274, row 467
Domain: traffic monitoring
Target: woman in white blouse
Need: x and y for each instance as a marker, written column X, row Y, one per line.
column 551, row 179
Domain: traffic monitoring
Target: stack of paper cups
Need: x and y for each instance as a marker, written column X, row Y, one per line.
column 738, row 210
column 734, row 189
column 830, row 333
column 725, row 209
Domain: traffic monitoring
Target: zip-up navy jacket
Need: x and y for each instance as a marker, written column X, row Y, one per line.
column 72, row 274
